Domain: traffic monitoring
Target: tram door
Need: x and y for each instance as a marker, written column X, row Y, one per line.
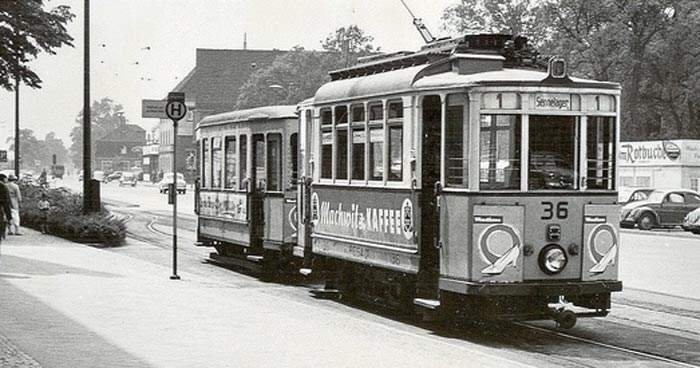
column 257, row 194
column 430, row 178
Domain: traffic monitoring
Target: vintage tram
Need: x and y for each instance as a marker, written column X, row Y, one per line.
column 246, row 194
column 461, row 178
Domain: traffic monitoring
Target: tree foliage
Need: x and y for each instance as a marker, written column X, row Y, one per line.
column 26, row 29
column 33, row 150
column 649, row 46
column 297, row 75
column 105, row 116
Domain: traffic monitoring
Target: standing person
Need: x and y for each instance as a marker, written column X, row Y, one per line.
column 16, row 201
column 5, row 206
column 44, row 207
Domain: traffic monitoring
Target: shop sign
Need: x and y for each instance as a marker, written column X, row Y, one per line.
column 652, row 152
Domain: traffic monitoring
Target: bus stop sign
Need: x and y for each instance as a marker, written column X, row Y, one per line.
column 175, row 109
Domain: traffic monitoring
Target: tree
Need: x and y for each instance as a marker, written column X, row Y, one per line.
column 39, row 151
column 516, row 17
column 297, row 74
column 105, row 116
column 26, row 29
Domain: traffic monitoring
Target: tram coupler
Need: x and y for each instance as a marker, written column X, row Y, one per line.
column 565, row 318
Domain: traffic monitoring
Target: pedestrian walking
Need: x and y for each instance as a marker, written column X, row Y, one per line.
column 44, row 207
column 16, row 202
column 5, row 211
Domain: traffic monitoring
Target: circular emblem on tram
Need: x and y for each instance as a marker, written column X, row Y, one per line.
column 672, row 150
column 314, row 209
column 496, row 241
column 601, row 241
column 407, row 218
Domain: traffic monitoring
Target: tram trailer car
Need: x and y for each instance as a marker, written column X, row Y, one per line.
column 246, row 195
column 463, row 181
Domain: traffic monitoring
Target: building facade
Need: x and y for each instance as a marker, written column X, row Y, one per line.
column 121, row 149
column 659, row 164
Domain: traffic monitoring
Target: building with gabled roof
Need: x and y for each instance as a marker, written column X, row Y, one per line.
column 120, row 149
column 211, row 87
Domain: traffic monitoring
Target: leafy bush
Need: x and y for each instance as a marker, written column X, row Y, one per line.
column 67, row 220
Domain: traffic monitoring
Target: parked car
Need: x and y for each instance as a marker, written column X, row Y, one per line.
column 638, row 194
column 663, row 208
column 127, row 178
column 113, row 176
column 168, row 179
column 691, row 221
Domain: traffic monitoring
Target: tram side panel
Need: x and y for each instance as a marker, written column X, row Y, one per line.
column 371, row 227
column 223, row 216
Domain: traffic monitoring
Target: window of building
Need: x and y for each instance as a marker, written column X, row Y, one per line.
column 274, row 162
column 643, row 181
column 601, row 153
column 216, row 162
column 499, row 158
column 205, row 163
column 231, row 157
column 243, row 157
column 457, row 141
column 694, row 184
column 326, row 144
column 376, row 141
column 626, row 181
column 341, row 131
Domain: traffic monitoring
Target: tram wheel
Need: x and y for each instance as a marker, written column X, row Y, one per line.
column 646, row 222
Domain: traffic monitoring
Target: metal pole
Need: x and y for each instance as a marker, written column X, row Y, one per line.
column 87, row 146
column 174, row 194
column 17, row 121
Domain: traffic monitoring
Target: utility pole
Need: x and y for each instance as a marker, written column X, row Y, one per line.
column 88, row 205
column 17, row 120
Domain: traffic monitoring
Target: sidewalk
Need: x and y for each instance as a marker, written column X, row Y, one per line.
column 70, row 305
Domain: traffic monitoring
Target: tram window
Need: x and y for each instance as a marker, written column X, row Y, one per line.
column 552, row 156
column 205, row 163
column 274, row 162
column 601, row 153
column 294, row 160
column 326, row 117
column 326, row 154
column 499, row 158
column 396, row 153
column 376, row 111
column 341, row 155
column 376, row 153
column 457, row 142
column 395, row 110
column 358, row 153
column 243, row 156
column 358, row 113
column 259, row 159
column 230, row 163
column 216, row 162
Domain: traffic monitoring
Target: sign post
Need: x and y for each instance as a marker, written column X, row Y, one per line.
column 175, row 109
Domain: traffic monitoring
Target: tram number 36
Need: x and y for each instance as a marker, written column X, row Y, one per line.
column 561, row 210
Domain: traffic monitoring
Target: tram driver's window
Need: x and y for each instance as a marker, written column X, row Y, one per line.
column 205, row 163
column 395, row 146
column 326, row 144
column 376, row 141
column 552, row 153
column 600, row 139
column 216, row 162
column 230, row 159
column 499, row 158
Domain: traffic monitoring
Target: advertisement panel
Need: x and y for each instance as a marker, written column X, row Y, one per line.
column 371, row 227
column 660, row 153
column 223, row 205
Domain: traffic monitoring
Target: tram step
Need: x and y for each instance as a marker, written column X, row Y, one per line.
column 254, row 258
column 325, row 293
column 427, row 303
column 305, row 271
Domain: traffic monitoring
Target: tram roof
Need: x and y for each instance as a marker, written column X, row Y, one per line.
column 255, row 114
column 441, row 75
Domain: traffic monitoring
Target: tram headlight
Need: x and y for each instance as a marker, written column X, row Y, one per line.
column 552, row 259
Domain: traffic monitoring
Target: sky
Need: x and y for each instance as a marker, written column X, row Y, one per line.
column 141, row 49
